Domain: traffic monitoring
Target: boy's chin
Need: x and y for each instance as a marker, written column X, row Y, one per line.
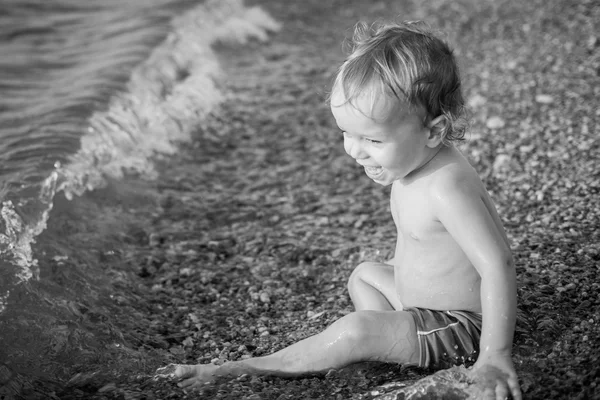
column 384, row 180
column 384, row 183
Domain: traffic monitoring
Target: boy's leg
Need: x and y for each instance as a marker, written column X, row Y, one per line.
column 372, row 287
column 387, row 336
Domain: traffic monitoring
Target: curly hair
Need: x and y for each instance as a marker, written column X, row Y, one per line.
column 408, row 61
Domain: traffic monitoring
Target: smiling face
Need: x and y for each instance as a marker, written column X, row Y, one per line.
column 389, row 139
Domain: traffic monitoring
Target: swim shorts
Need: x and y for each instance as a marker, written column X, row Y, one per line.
column 447, row 338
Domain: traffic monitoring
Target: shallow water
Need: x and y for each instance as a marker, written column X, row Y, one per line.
column 61, row 62
column 91, row 92
column 94, row 90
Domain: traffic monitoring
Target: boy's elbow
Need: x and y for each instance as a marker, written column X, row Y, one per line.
column 508, row 260
column 507, row 265
column 507, row 270
column 503, row 263
column 504, row 257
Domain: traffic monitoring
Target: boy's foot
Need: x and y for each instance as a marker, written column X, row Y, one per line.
column 189, row 376
column 193, row 376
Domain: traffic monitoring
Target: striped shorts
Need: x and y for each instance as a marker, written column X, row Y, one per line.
column 447, row 338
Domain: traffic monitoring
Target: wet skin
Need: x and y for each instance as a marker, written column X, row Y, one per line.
column 451, row 248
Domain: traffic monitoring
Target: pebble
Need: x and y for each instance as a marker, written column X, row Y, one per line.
column 477, row 101
column 109, row 387
column 495, row 123
column 156, row 287
column 512, row 64
column 502, row 162
column 154, row 240
column 5, row 374
column 570, row 286
column 544, row 99
column 526, row 148
column 313, row 315
column 264, row 297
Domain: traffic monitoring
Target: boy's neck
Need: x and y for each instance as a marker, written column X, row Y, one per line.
column 414, row 174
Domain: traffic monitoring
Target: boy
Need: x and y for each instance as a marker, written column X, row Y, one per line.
column 448, row 296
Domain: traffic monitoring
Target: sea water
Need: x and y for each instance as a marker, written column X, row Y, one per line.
column 90, row 91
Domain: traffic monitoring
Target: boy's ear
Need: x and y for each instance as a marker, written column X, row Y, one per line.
column 437, row 129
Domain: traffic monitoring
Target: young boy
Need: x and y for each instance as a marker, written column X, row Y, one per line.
column 448, row 296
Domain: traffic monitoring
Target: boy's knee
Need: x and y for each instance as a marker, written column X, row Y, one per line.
column 354, row 327
column 358, row 274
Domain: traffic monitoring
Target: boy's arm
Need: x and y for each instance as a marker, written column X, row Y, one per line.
column 461, row 208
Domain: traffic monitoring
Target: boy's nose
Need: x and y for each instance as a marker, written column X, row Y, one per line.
column 354, row 148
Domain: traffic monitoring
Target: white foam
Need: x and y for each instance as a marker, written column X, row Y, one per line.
column 167, row 96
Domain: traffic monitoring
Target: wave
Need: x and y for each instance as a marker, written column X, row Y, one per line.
column 165, row 97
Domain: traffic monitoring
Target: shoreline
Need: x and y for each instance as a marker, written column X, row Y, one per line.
column 244, row 242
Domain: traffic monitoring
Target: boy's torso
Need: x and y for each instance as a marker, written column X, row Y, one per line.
column 431, row 270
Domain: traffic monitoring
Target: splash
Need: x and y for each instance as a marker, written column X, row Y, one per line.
column 167, row 96
column 451, row 384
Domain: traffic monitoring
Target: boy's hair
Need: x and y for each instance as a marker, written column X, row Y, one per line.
column 407, row 61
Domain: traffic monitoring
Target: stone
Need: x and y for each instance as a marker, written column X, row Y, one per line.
column 495, row 123
column 264, row 297
column 502, row 163
column 544, row 99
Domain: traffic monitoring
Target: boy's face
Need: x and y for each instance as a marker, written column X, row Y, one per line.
column 388, row 139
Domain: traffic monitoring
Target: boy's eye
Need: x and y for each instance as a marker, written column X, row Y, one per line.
column 349, row 136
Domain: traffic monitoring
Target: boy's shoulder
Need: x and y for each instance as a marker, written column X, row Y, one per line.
column 454, row 173
column 450, row 174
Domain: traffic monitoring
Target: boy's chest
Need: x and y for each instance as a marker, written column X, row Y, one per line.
column 414, row 214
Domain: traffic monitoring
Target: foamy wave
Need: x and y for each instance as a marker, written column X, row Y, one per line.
column 167, row 96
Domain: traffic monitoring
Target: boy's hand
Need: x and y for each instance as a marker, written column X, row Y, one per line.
column 497, row 377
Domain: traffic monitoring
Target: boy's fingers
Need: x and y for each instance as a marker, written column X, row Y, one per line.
column 501, row 391
column 515, row 389
column 489, row 394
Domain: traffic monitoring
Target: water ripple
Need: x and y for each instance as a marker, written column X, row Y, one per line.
column 95, row 89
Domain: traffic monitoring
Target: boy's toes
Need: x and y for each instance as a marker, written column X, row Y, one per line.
column 184, row 371
column 189, row 383
column 166, row 372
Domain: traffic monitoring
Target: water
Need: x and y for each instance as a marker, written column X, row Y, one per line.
column 92, row 90
column 449, row 384
column 74, row 109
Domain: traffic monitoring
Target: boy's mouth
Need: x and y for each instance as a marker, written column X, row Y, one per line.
column 373, row 172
